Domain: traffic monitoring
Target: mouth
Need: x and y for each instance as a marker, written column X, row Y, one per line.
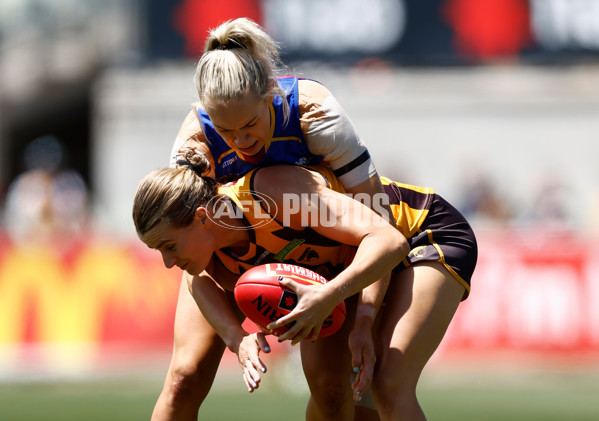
column 251, row 150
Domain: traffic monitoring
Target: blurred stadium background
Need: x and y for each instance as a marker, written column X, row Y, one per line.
column 494, row 103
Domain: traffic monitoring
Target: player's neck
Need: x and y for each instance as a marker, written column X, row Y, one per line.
column 231, row 234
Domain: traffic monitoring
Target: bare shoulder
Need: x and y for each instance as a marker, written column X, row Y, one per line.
column 312, row 88
column 191, row 136
column 311, row 95
column 199, row 145
column 191, row 129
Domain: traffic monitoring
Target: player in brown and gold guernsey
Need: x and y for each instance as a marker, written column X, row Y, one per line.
column 431, row 253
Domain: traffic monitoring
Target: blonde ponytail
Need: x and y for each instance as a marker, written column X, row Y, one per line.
column 239, row 57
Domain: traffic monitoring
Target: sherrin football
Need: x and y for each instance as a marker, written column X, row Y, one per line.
column 263, row 300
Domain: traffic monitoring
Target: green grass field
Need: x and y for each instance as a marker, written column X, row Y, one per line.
column 483, row 395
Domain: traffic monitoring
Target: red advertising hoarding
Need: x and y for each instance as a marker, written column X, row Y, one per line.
column 530, row 292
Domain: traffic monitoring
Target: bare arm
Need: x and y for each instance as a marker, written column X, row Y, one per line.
column 372, row 296
column 212, row 300
column 226, row 320
column 380, row 246
column 191, row 135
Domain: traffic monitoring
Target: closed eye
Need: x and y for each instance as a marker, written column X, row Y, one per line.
column 170, row 247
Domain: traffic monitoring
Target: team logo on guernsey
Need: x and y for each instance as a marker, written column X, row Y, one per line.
column 257, row 207
column 302, row 161
column 229, row 161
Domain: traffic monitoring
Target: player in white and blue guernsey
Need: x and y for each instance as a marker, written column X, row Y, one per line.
column 246, row 117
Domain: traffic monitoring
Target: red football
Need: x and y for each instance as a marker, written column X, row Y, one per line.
column 263, row 300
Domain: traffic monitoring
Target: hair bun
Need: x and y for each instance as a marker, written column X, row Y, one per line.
column 191, row 158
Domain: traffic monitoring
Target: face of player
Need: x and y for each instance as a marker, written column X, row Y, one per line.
column 190, row 248
column 244, row 124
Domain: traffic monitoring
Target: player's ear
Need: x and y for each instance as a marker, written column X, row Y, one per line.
column 201, row 217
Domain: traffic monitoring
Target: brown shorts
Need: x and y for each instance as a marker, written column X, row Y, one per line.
column 445, row 237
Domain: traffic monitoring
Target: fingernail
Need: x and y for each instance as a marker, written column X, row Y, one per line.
column 267, row 349
column 360, row 398
column 262, row 369
column 356, row 369
column 357, row 393
column 249, row 390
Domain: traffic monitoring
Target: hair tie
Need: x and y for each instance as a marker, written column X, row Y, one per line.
column 194, row 167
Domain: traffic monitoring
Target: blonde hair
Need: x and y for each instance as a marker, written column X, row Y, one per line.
column 172, row 195
column 239, row 57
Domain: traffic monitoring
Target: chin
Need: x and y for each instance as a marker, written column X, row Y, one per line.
column 255, row 157
column 194, row 271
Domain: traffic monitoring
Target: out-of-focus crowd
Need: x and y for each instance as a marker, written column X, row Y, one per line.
column 48, row 200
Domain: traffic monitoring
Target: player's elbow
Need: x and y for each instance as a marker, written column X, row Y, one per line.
column 398, row 243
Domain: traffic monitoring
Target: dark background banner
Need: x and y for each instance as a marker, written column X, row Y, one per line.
column 436, row 32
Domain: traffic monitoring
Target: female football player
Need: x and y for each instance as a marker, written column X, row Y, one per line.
column 247, row 117
column 431, row 254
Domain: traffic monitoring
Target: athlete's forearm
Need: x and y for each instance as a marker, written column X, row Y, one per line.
column 372, row 296
column 216, row 307
column 377, row 254
column 372, row 194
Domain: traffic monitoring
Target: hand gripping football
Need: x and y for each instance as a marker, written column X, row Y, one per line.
column 263, row 300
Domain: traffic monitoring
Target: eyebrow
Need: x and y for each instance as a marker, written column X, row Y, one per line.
column 247, row 124
column 159, row 245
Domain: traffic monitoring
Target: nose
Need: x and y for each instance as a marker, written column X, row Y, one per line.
column 169, row 260
column 242, row 139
